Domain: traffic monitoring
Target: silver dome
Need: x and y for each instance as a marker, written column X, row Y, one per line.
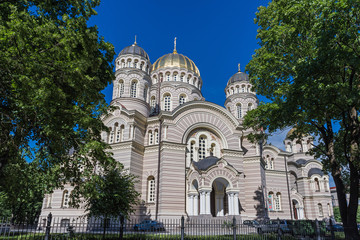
column 134, row 50
column 238, row 77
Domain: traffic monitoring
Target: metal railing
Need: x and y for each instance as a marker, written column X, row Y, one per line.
column 183, row 229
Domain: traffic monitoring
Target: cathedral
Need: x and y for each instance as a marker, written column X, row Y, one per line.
column 192, row 157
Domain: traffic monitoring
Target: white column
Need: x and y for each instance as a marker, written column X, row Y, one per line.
column 301, row 213
column 230, row 203
column 220, row 205
column 190, row 205
column 236, row 204
column 196, row 210
column 202, row 202
column 207, row 210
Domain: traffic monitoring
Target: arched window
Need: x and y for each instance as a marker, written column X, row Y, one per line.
column 188, row 79
column 111, row 136
column 249, row 106
column 317, row 185
column 329, row 209
column 135, row 64
column 142, row 65
column 151, row 189
column 49, row 200
column 182, row 99
column 121, row 88
column 243, row 88
column 167, row 102
column 326, row 184
column 182, row 77
column 153, row 104
column 145, row 92
column 65, row 199
column 271, row 201
column 151, row 138
column 175, row 77
column 192, row 146
column 272, row 163
column 213, row 150
column 133, row 89
column 119, row 133
column 321, row 212
column 277, row 201
column 239, row 112
column 299, row 146
column 129, row 63
column 168, row 77
column 156, row 136
column 122, row 63
column 202, row 147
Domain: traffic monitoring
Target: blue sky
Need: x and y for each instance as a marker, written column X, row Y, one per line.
column 216, row 35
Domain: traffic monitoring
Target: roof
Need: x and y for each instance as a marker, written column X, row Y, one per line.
column 313, row 171
column 205, row 163
column 301, row 161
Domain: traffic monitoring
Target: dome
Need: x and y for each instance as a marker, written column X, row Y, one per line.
column 175, row 60
column 134, row 50
column 238, row 77
column 290, row 133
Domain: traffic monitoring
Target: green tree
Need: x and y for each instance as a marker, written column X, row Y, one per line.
column 53, row 67
column 308, row 65
column 111, row 195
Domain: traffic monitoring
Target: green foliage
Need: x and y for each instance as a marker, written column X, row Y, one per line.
column 112, row 194
column 308, row 65
column 52, row 70
column 338, row 217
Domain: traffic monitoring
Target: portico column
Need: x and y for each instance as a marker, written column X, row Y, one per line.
column 196, row 210
column 236, row 204
column 207, row 210
column 202, row 202
column 230, row 203
column 190, row 205
column 220, row 205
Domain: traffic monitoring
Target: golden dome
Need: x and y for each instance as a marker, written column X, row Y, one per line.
column 175, row 60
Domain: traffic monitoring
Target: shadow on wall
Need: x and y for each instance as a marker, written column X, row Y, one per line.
column 259, row 204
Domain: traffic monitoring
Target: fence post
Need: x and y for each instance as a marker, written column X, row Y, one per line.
column 48, row 226
column 182, row 227
column 234, row 228
column 332, row 230
column 278, row 229
column 317, row 229
column 122, row 219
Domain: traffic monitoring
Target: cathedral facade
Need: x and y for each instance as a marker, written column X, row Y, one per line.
column 192, row 157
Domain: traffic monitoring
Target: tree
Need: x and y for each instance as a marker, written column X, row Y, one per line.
column 112, row 195
column 52, row 70
column 308, row 66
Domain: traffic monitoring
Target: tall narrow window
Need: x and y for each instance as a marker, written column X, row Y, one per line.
column 151, row 138
column 329, row 209
column 156, row 136
column 277, row 200
column 175, row 77
column 182, row 78
column 153, row 104
column 192, row 146
column 202, row 147
column 317, row 185
column 168, row 77
column 111, row 137
column 182, row 99
column 135, row 64
column 121, row 88
column 129, row 64
column 118, row 133
column 151, row 189
column 65, row 200
column 133, row 89
column 167, row 102
column 321, row 213
column 272, row 163
column 145, row 92
column 271, row 201
column 239, row 112
column 188, row 79
column 243, row 88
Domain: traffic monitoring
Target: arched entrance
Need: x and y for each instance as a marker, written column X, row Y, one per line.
column 218, row 198
column 297, row 210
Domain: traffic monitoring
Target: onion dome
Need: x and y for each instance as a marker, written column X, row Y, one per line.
column 134, row 50
column 238, row 77
column 290, row 133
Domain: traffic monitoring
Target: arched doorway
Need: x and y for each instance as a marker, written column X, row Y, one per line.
column 298, row 210
column 218, row 198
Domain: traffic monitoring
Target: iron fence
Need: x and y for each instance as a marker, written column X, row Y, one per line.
column 182, row 229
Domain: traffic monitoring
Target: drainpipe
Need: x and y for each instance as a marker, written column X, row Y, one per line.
column 159, row 155
column 288, row 187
